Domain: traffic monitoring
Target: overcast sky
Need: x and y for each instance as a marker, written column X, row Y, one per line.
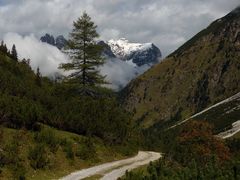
column 167, row 23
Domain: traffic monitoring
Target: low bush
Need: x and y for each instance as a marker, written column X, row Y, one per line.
column 11, row 150
column 19, row 171
column 68, row 148
column 38, row 156
column 48, row 137
column 86, row 150
column 1, row 149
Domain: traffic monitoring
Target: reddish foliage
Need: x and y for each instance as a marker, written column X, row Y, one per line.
column 198, row 140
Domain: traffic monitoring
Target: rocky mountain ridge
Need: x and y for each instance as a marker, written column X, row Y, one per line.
column 136, row 54
column 59, row 41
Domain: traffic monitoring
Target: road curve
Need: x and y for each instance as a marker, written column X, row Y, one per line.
column 230, row 132
column 116, row 169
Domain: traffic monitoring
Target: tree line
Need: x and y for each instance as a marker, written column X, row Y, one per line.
column 13, row 53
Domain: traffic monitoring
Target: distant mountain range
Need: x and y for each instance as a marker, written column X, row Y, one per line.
column 136, row 54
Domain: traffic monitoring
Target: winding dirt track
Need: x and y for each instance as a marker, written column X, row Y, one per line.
column 116, row 169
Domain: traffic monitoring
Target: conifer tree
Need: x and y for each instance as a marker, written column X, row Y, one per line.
column 38, row 77
column 85, row 54
column 3, row 47
column 14, row 52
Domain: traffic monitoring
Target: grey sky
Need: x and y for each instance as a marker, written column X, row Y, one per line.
column 167, row 23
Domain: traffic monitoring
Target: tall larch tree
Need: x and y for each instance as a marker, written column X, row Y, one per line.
column 85, row 54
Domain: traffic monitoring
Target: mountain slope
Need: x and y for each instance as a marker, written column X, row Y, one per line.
column 202, row 72
column 223, row 115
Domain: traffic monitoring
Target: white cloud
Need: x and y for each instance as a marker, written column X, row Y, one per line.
column 42, row 55
column 137, row 20
column 48, row 58
column 119, row 73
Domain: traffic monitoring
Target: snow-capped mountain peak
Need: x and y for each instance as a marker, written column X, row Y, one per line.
column 123, row 47
column 140, row 54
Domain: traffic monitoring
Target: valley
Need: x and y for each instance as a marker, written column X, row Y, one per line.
column 86, row 107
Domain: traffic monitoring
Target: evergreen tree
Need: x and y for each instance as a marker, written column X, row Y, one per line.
column 14, row 53
column 85, row 54
column 3, row 47
column 38, row 77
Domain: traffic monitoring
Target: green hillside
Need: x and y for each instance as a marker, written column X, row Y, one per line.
column 50, row 153
column 47, row 129
column 27, row 99
column 202, row 72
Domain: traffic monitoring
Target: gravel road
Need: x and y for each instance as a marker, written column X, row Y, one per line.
column 116, row 169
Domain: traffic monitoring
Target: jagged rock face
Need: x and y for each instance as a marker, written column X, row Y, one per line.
column 59, row 42
column 151, row 55
column 107, row 52
column 139, row 54
column 48, row 39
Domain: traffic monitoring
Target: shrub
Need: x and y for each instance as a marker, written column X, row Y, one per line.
column 196, row 141
column 1, row 148
column 38, row 156
column 69, row 150
column 19, row 171
column 86, row 150
column 19, row 112
column 1, row 135
column 11, row 150
column 48, row 137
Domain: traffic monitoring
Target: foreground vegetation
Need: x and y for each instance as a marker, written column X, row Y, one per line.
column 194, row 154
column 50, row 153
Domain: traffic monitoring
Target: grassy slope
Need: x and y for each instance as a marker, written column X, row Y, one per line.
column 59, row 165
column 202, row 72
